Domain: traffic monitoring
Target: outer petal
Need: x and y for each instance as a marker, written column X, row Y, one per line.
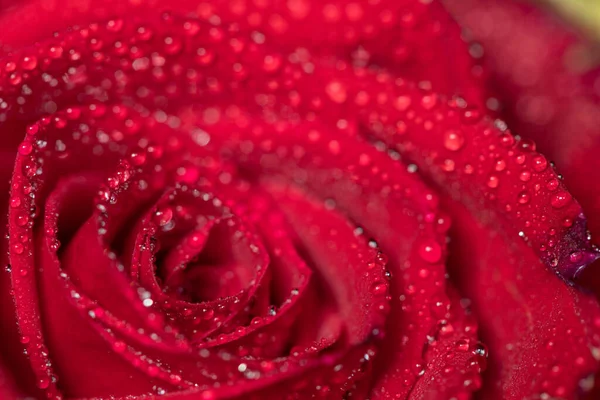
column 415, row 38
column 551, row 345
column 11, row 352
column 8, row 389
column 540, row 68
column 545, row 75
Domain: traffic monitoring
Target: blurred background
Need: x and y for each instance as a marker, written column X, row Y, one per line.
column 584, row 13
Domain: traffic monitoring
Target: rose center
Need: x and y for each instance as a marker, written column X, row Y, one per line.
column 212, row 262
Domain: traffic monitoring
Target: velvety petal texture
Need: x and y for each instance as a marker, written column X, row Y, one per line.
column 277, row 199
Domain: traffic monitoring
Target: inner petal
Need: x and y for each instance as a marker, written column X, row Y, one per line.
column 175, row 242
column 351, row 268
column 212, row 262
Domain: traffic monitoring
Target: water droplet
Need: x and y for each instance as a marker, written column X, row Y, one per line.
column 471, row 115
column 430, row 252
column 507, row 140
column 10, row 66
column 25, row 148
column 33, row 129
column 55, row 51
column 523, row 197
column 336, row 91
column 29, row 63
column 552, row 184
column 15, row 202
column 480, row 350
column 382, row 259
column 163, row 216
column 17, row 248
column 402, row 103
column 271, row 63
column 334, row 147
column 453, row 140
column 43, row 383
column 119, row 346
column 500, row 165
column 172, row 45
column 191, row 27
column 204, row 56
column 378, row 288
column 575, row 257
column 15, row 78
column 144, row 33
column 428, row 102
column 22, row 219
column 539, row 163
column 527, row 145
column 525, row 176
column 463, row 345
column 114, row 25
column 493, row 181
column 560, row 199
column 138, row 157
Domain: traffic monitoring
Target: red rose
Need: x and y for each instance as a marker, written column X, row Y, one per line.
column 253, row 199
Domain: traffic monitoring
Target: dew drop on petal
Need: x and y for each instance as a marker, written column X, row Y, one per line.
column 493, row 181
column 430, row 252
column 336, row 91
column 552, row 184
column 25, row 148
column 471, row 115
column 525, row 176
column 428, row 102
column 29, row 63
column 378, row 288
column 539, row 163
column 119, row 346
column 462, row 345
column 17, row 248
column 163, row 216
column 523, row 197
column 402, row 103
column 43, row 383
column 453, row 140
column 334, row 147
column 560, row 199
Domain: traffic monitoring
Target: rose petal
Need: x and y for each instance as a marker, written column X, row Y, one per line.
column 454, row 361
column 221, row 310
column 101, row 317
column 74, row 341
column 472, row 160
column 11, row 353
column 541, row 75
column 347, row 266
column 8, row 390
column 415, row 39
column 255, row 335
column 552, row 340
column 425, row 42
column 552, row 102
column 391, row 198
column 73, row 302
column 143, row 364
